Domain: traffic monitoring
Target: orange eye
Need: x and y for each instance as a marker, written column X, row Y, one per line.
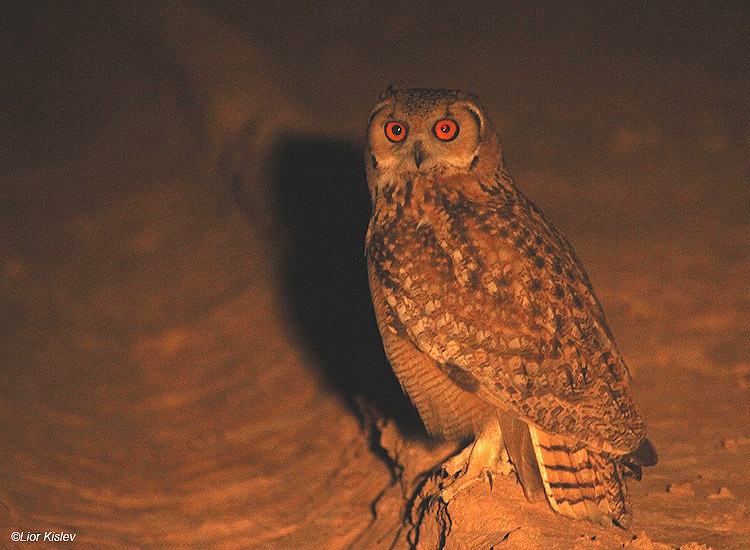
column 395, row 131
column 446, row 129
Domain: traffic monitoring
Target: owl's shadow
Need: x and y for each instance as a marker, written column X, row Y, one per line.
column 322, row 200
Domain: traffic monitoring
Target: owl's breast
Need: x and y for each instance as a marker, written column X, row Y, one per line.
column 436, row 258
column 403, row 250
column 427, row 230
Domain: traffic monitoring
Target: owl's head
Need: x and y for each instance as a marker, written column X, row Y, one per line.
column 428, row 132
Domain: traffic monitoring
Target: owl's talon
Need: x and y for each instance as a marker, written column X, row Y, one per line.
column 458, row 465
column 480, row 461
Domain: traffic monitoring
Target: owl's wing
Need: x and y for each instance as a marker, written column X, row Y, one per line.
column 493, row 293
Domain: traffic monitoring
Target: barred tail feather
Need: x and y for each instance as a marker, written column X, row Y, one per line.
column 580, row 483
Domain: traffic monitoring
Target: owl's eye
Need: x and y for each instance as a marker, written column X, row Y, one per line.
column 446, row 129
column 395, row 131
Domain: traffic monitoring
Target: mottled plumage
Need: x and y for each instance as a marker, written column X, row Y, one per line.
column 487, row 316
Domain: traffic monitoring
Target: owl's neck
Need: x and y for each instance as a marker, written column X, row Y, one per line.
column 412, row 192
column 422, row 191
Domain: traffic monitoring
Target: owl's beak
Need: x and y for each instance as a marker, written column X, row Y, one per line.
column 419, row 154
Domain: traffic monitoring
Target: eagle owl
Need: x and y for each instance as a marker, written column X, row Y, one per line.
column 487, row 317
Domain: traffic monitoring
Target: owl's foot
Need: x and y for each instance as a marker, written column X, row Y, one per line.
column 480, row 461
column 483, row 460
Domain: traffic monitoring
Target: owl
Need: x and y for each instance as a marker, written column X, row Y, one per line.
column 487, row 317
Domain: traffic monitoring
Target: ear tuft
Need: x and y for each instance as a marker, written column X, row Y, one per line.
column 387, row 93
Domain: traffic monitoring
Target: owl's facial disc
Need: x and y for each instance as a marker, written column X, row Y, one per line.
column 441, row 139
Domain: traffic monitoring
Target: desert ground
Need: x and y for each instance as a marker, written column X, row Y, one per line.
column 188, row 352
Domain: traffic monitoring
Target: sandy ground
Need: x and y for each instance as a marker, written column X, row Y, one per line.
column 188, row 357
